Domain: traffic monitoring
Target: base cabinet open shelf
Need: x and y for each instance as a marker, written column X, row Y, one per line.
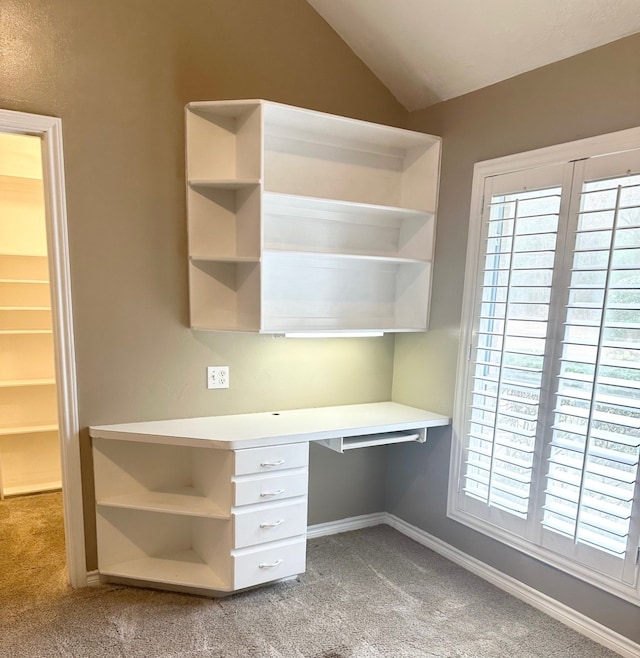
column 300, row 220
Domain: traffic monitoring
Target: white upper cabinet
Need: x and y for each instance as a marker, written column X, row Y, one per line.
column 304, row 221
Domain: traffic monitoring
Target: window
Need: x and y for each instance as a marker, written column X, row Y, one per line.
column 547, row 421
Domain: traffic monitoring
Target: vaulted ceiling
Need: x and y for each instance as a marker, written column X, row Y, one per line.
column 426, row 51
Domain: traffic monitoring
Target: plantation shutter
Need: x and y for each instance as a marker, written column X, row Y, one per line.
column 521, row 218
column 551, row 429
column 592, row 463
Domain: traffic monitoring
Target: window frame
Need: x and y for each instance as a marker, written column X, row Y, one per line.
column 561, row 154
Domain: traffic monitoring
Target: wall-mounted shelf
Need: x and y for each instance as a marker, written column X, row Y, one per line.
column 300, row 220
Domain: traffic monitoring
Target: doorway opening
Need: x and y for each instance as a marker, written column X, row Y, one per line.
column 29, row 443
column 39, row 430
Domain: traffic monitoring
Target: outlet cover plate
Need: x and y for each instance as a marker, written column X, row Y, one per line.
column 217, row 376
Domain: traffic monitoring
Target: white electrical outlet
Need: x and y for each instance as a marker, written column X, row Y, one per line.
column 217, row 376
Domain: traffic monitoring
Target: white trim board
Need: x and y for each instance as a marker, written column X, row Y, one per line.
column 49, row 129
column 346, row 525
column 559, row 611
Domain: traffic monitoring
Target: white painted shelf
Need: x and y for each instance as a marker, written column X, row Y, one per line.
column 184, row 568
column 25, row 332
column 187, row 501
column 28, row 429
column 300, row 220
column 25, row 308
column 15, row 383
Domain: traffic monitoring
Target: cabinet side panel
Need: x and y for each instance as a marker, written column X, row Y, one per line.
column 413, row 287
column 24, row 406
column 125, row 535
column 22, row 216
column 224, row 296
column 293, row 167
column 416, row 237
column 248, row 221
column 212, row 222
column 123, row 467
column 212, row 470
column 24, row 267
column 26, row 356
column 249, row 145
column 30, row 462
column 15, row 293
column 212, row 543
column 420, row 178
column 211, row 146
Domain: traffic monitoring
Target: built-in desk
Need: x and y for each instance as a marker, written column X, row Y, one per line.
column 219, row 504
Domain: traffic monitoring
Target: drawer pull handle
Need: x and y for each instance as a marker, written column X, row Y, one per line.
column 277, row 462
column 270, row 565
column 272, row 493
column 272, row 524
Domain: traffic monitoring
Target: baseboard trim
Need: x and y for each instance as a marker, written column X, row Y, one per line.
column 563, row 613
column 346, row 525
column 94, row 578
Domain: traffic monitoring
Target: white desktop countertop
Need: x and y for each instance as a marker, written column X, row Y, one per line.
column 275, row 427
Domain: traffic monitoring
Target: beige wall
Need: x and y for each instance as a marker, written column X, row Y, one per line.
column 594, row 93
column 119, row 73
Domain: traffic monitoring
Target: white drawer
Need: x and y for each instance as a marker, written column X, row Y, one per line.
column 271, row 458
column 252, row 567
column 270, row 523
column 266, row 488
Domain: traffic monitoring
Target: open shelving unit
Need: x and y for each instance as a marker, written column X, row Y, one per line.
column 29, row 444
column 300, row 220
column 29, row 447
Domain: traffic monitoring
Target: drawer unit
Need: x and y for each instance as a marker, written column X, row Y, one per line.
column 277, row 560
column 270, row 522
column 271, row 458
column 252, row 489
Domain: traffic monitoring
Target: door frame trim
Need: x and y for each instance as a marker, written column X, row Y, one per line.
column 49, row 129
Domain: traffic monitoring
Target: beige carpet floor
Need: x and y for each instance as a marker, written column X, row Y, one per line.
column 372, row 593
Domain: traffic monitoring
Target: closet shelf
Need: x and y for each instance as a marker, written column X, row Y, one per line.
column 24, row 332
column 25, row 308
column 14, row 383
column 27, row 429
column 20, row 490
